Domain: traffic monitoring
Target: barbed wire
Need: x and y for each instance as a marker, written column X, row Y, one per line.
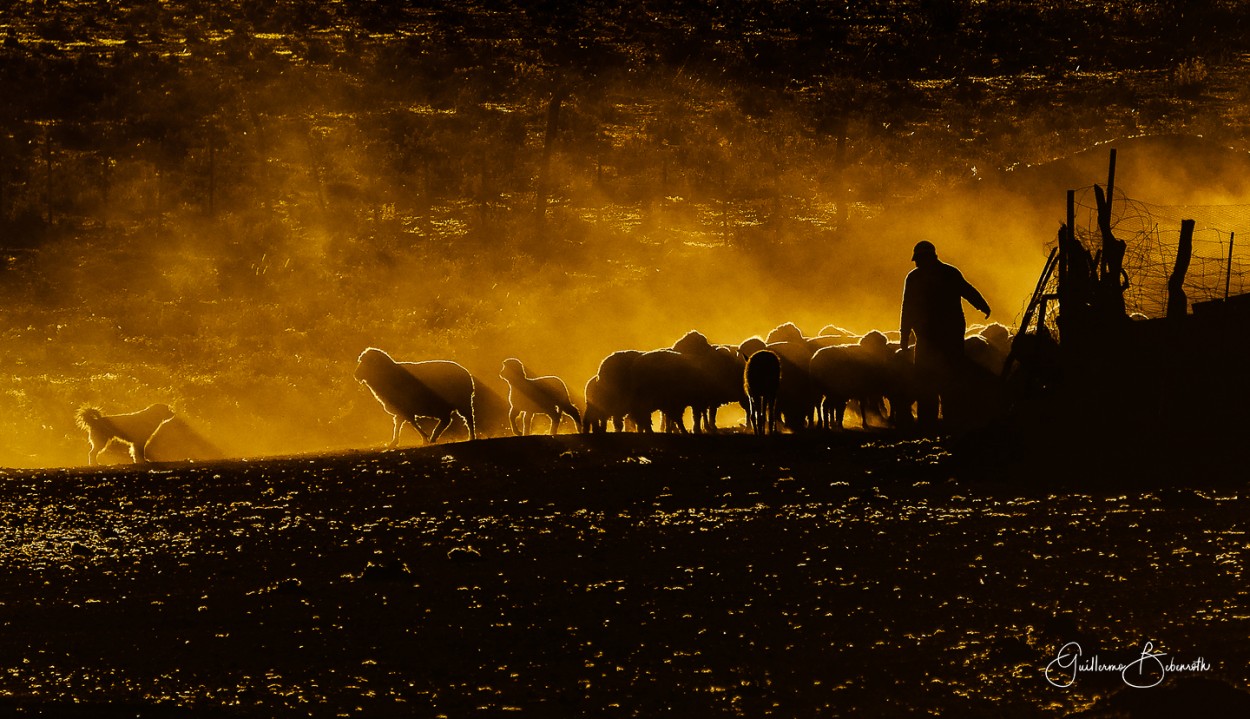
column 1219, row 264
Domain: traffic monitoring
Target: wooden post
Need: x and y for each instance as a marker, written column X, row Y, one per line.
column 1067, row 242
column 1111, row 264
column 1178, row 304
column 1228, row 269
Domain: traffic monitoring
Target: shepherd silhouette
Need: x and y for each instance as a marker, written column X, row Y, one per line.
column 933, row 309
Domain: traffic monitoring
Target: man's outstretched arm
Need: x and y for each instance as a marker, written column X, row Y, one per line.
column 975, row 299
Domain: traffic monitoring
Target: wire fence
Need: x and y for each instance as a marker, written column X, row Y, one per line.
column 1219, row 265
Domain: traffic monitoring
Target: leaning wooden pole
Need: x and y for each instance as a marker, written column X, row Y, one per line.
column 1178, row 304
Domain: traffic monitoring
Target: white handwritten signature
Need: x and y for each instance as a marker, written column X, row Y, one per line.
column 1148, row 670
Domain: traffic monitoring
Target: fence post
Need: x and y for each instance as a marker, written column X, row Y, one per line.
column 1178, row 304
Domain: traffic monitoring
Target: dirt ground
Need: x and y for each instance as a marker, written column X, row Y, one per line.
column 620, row 575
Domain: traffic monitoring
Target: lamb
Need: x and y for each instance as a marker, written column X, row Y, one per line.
column 528, row 396
column 762, row 381
column 135, row 429
column 408, row 390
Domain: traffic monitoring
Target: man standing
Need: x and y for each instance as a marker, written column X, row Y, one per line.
column 932, row 308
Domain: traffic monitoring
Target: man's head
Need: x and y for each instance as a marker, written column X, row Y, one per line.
column 924, row 252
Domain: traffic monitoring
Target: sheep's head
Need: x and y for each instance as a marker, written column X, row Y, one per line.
column 512, row 368
column 693, row 342
column 788, row 332
column 369, row 361
column 875, row 342
column 751, row 346
column 996, row 334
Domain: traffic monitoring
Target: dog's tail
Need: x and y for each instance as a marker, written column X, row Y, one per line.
column 87, row 416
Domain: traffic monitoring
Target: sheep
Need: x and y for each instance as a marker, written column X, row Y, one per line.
column 795, row 402
column 831, row 335
column 613, row 391
column 408, row 390
column 666, row 381
column 528, row 396
column 902, row 389
column 594, row 417
column 788, row 332
column 761, row 381
column 989, row 347
column 841, row 373
column 999, row 337
column 717, row 378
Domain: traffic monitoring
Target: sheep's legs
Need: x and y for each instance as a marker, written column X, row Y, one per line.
column 512, row 418
column 556, row 416
column 439, row 427
column 399, row 424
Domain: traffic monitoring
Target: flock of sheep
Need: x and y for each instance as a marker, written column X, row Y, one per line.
column 785, row 380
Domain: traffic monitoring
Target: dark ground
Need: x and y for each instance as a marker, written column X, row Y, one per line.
column 840, row 575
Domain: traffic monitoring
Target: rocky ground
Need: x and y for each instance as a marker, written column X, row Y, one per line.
column 840, row 575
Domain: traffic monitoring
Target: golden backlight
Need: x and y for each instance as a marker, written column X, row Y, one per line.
column 234, row 263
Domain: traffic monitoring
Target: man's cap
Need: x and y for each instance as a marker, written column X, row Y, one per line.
column 923, row 248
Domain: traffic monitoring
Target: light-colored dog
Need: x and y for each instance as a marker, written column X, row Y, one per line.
column 134, row 429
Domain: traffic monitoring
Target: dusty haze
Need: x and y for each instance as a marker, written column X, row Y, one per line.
column 225, row 206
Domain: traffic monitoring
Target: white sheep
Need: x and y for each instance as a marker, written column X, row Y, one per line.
column 408, row 390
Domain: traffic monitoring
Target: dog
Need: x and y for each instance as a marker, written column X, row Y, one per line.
column 134, row 429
